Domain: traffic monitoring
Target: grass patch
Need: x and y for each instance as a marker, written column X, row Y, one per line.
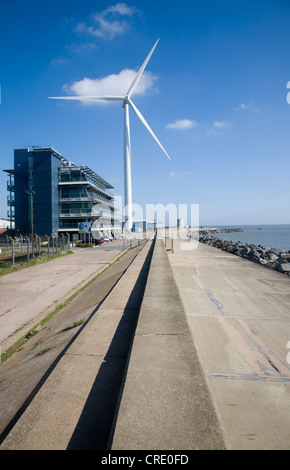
column 74, row 325
column 43, row 351
column 15, row 347
column 84, row 245
column 19, row 344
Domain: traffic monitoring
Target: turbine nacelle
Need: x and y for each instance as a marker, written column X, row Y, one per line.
column 125, row 100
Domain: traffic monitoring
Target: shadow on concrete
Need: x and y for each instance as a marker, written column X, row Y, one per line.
column 97, row 419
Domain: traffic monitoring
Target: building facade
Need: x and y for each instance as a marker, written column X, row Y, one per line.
column 50, row 194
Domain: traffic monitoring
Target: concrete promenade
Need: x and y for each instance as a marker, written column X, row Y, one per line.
column 239, row 316
column 28, row 295
column 207, row 367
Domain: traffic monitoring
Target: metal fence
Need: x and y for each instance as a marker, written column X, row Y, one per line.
column 23, row 249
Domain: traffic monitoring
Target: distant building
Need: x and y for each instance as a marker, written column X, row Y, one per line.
column 143, row 225
column 4, row 226
column 4, row 223
column 50, row 194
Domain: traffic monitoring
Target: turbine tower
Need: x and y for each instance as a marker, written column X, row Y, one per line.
column 127, row 145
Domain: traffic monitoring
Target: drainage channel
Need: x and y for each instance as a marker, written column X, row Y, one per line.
column 26, row 372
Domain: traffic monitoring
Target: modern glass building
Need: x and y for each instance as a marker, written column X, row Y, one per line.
column 50, row 194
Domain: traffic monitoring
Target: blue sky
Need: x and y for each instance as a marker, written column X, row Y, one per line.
column 214, row 92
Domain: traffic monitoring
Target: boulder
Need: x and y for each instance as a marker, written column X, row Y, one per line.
column 284, row 268
column 245, row 251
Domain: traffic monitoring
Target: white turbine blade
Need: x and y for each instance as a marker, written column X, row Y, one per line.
column 88, row 98
column 141, row 70
column 142, row 119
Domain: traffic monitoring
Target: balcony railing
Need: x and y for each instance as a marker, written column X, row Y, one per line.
column 10, row 186
column 75, row 213
column 74, row 199
column 10, row 201
column 11, row 215
column 70, row 213
column 90, row 199
column 87, row 183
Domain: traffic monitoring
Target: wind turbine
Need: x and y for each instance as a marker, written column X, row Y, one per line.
column 127, row 143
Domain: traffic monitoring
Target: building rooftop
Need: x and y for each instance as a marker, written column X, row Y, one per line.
column 90, row 173
column 67, row 163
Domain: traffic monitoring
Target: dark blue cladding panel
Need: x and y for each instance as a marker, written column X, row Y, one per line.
column 45, row 182
column 37, row 171
column 21, row 185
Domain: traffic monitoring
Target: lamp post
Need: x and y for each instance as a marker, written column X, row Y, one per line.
column 31, row 194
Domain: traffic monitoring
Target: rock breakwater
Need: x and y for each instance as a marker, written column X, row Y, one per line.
column 220, row 230
column 268, row 257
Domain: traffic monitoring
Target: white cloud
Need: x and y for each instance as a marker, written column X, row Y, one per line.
column 221, row 124
column 120, row 8
column 106, row 29
column 218, row 126
column 250, row 107
column 107, row 25
column 242, row 106
column 115, row 84
column 182, row 124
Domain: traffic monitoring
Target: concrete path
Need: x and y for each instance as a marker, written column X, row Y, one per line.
column 76, row 403
column 165, row 404
column 28, row 295
column 239, row 316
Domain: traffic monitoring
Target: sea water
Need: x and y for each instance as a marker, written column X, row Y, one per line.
column 272, row 236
